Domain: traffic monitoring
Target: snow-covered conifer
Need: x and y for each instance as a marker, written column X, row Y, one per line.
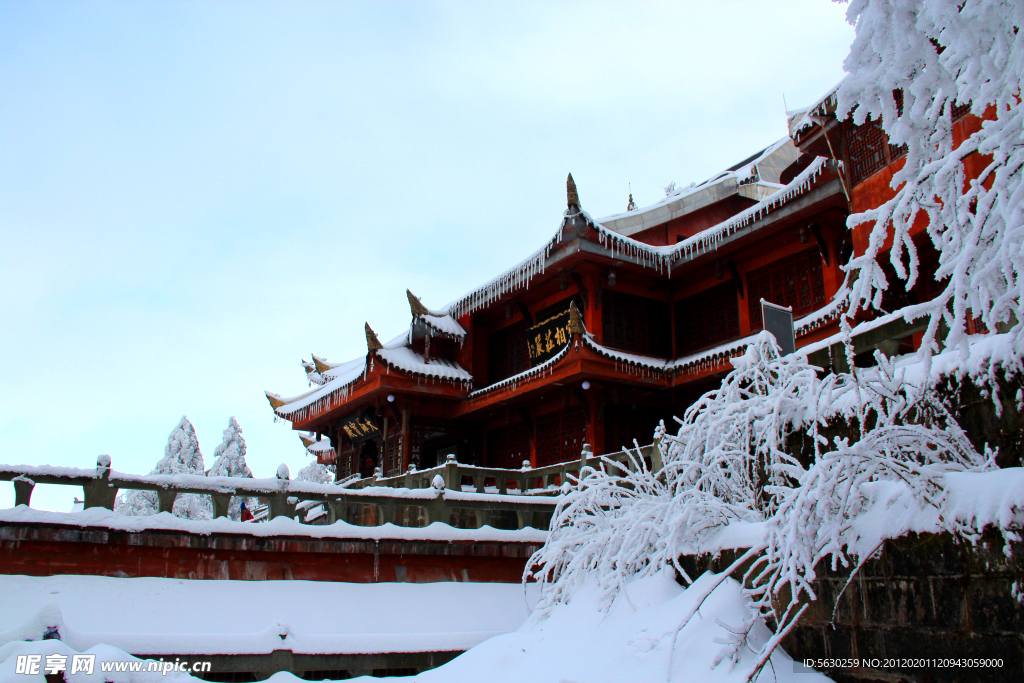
column 181, row 456
column 229, row 461
column 315, row 472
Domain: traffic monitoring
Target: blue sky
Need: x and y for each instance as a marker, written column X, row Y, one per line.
column 195, row 196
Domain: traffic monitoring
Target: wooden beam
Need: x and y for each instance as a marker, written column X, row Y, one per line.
column 578, row 281
column 822, row 244
column 525, row 310
column 736, row 277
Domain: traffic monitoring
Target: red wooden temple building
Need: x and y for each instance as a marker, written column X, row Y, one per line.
column 614, row 324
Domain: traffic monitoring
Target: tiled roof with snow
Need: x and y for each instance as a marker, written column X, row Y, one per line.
column 756, row 176
column 802, row 119
column 444, row 324
column 655, row 257
column 407, row 360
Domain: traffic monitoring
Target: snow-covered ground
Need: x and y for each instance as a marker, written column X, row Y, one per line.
column 655, row 631
column 157, row 616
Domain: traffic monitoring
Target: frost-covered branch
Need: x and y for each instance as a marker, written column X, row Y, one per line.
column 935, row 55
column 755, row 451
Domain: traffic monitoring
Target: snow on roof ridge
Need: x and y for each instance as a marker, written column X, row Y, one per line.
column 317, row 400
column 798, row 125
column 715, row 178
column 705, row 240
column 407, row 360
column 514, row 380
column 515, row 277
column 444, row 324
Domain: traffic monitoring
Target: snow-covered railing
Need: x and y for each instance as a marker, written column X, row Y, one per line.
column 529, row 480
column 101, row 486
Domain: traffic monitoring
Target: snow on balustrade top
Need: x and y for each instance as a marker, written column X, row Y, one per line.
column 407, row 360
column 280, row 526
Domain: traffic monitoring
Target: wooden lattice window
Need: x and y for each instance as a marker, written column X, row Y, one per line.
column 636, row 324
column 344, row 461
column 507, row 352
column 866, row 148
column 793, row 281
column 961, row 110
column 975, row 325
column 560, row 436
column 393, row 452
column 708, row 318
column 509, row 446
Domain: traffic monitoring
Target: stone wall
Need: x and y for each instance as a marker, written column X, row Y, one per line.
column 48, row 550
column 922, row 597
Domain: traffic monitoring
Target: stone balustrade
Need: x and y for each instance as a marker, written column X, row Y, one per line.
column 434, row 493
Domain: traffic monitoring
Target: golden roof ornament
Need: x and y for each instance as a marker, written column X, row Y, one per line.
column 306, row 441
column 416, row 305
column 575, row 320
column 275, row 400
column 321, row 366
column 372, row 343
column 572, row 196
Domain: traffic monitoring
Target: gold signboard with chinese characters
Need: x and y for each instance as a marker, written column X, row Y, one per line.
column 359, row 428
column 544, row 340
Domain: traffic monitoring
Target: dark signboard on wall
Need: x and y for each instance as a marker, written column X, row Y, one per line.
column 779, row 321
column 359, row 427
column 545, row 339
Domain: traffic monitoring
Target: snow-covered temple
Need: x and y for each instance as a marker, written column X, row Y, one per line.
column 615, row 323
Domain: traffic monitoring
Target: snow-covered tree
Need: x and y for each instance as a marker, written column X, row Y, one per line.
column 229, row 461
column 316, row 473
column 753, row 451
column 934, row 55
column 181, row 456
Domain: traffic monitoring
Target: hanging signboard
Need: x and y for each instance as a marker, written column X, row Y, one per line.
column 359, row 428
column 544, row 340
column 779, row 321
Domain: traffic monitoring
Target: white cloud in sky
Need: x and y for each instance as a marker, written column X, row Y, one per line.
column 194, row 196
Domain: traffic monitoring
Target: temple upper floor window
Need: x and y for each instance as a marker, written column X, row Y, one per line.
column 636, row 324
column 794, row 281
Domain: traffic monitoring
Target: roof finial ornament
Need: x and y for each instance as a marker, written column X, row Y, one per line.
column 575, row 320
column 320, row 365
column 274, row 399
column 416, row 305
column 572, row 196
column 632, row 205
column 372, row 343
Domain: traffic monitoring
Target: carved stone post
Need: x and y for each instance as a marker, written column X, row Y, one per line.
column 100, row 494
column 23, row 490
column 221, row 502
column 165, row 500
column 452, row 478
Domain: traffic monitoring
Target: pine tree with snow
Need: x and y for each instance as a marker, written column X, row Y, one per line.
column 229, row 461
column 316, row 473
column 181, row 456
